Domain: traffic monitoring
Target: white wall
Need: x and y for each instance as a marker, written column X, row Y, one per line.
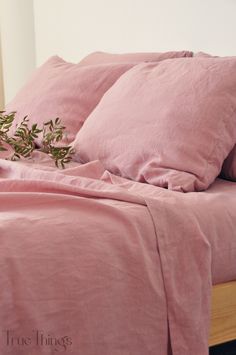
column 1, row 81
column 17, row 41
column 72, row 28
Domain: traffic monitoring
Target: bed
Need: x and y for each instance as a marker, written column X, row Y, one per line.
column 33, row 298
column 122, row 253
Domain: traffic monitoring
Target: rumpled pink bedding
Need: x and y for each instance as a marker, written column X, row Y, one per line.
column 94, row 264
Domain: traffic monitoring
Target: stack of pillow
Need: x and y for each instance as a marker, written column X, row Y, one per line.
column 168, row 119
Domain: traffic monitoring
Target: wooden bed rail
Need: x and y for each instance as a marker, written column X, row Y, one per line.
column 223, row 314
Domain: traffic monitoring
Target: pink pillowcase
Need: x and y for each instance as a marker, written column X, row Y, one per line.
column 170, row 124
column 102, row 57
column 206, row 55
column 229, row 166
column 65, row 90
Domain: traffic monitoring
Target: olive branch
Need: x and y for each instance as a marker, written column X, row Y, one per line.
column 23, row 141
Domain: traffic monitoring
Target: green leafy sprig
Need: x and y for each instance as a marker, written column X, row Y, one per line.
column 5, row 124
column 23, row 141
column 52, row 135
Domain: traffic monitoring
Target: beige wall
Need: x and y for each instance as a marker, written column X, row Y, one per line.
column 18, row 45
column 1, row 81
column 33, row 30
column 72, row 28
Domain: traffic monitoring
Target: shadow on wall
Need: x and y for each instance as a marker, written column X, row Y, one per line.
column 1, row 81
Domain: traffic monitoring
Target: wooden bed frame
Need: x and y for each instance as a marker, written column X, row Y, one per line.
column 223, row 314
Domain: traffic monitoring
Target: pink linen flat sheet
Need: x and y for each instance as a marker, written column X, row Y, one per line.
column 93, row 264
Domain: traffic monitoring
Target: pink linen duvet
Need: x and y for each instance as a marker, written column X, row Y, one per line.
column 94, row 264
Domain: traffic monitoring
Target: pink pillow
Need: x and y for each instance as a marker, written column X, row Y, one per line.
column 65, row 90
column 170, row 124
column 229, row 166
column 203, row 54
column 102, row 57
